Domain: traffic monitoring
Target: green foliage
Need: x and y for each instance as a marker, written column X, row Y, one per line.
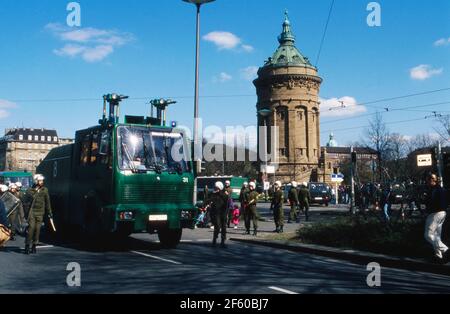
column 400, row 238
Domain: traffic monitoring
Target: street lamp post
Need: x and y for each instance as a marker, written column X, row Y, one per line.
column 198, row 4
column 264, row 113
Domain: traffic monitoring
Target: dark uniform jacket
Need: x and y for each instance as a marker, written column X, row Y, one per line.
column 243, row 197
column 252, row 199
column 277, row 201
column 41, row 202
column 293, row 196
column 304, row 195
column 3, row 217
column 436, row 200
column 219, row 201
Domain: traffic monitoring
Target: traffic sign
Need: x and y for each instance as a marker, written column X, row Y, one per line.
column 424, row 160
column 338, row 178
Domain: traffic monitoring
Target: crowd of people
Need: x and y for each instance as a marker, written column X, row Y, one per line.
column 27, row 214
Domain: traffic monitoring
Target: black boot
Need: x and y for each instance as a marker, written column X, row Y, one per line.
column 27, row 249
column 247, row 232
column 281, row 229
column 277, row 230
column 33, row 249
column 255, row 233
column 222, row 244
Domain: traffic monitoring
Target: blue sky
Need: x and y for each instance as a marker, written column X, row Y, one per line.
column 145, row 49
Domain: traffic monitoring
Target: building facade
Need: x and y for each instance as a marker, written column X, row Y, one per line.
column 23, row 149
column 288, row 95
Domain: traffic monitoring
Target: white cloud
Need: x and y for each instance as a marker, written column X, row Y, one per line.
column 442, row 42
column 4, row 105
column 248, row 48
column 424, row 71
column 224, row 77
column 340, row 107
column 249, row 73
column 227, row 41
column 91, row 44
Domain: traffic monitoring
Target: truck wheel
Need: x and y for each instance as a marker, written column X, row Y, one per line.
column 169, row 238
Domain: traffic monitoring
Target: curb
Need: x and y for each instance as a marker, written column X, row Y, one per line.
column 358, row 257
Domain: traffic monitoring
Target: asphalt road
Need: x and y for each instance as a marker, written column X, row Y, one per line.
column 139, row 265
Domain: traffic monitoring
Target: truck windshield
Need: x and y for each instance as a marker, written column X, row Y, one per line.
column 142, row 150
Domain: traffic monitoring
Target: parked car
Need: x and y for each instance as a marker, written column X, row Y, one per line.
column 320, row 193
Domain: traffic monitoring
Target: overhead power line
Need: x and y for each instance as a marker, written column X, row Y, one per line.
column 324, row 33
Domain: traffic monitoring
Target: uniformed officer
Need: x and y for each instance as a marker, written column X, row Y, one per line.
column 293, row 200
column 304, row 197
column 277, row 207
column 16, row 219
column 243, row 197
column 230, row 206
column 39, row 208
column 251, row 212
column 219, row 201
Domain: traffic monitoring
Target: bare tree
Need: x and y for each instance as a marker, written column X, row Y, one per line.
column 420, row 141
column 444, row 127
column 378, row 138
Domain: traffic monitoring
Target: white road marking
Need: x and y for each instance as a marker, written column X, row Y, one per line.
column 204, row 240
column 41, row 247
column 282, row 290
column 156, row 257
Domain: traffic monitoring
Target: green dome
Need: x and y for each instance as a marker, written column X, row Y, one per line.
column 287, row 54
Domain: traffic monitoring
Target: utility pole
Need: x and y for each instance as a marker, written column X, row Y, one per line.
column 352, row 171
column 439, row 164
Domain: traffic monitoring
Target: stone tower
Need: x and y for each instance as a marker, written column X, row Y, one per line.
column 288, row 94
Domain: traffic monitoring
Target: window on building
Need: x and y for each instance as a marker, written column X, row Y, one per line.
column 94, row 148
column 42, row 138
column 55, row 139
column 20, row 137
column 30, row 138
column 49, row 138
column 85, row 147
column 36, row 138
column 300, row 115
column 329, row 165
column 283, row 152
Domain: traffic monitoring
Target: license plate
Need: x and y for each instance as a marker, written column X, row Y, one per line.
column 157, row 218
column 318, row 198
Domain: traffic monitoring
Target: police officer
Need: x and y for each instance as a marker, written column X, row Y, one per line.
column 3, row 216
column 293, row 200
column 277, row 207
column 16, row 219
column 229, row 191
column 219, row 201
column 251, row 212
column 304, row 197
column 243, row 197
column 39, row 207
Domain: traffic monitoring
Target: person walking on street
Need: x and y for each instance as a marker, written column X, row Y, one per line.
column 230, row 206
column 386, row 202
column 436, row 206
column 39, row 208
column 277, row 207
column 304, row 196
column 251, row 212
column 293, row 201
column 219, row 211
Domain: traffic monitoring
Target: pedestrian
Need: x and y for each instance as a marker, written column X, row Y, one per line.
column 219, row 201
column 40, row 207
column 304, row 197
column 236, row 215
column 386, row 202
column 277, row 207
column 251, row 212
column 293, row 201
column 436, row 206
